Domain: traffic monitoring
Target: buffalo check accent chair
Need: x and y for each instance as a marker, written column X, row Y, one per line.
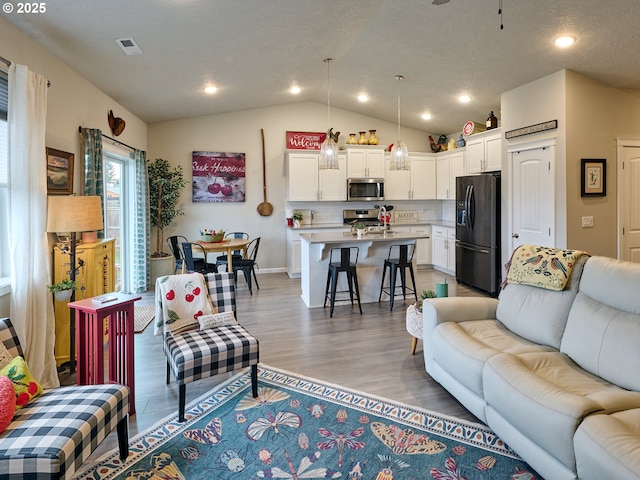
column 197, row 354
column 56, row 432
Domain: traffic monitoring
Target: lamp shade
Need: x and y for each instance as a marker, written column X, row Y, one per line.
column 71, row 213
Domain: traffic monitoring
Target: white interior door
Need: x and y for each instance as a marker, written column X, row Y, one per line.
column 532, row 197
column 629, row 202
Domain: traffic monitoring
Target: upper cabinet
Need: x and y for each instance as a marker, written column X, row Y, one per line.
column 418, row 183
column 484, row 152
column 449, row 165
column 365, row 162
column 306, row 183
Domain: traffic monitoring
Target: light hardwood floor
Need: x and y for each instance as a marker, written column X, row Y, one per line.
column 368, row 352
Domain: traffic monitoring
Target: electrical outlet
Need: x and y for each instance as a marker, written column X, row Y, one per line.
column 587, row 222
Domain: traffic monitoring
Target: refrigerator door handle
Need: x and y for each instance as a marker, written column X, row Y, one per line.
column 466, row 206
column 472, row 248
column 471, row 208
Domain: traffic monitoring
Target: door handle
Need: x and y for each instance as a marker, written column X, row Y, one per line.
column 515, row 235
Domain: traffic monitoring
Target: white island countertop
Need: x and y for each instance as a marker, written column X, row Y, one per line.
column 373, row 250
column 340, row 237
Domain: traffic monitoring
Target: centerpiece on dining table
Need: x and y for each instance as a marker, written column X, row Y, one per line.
column 211, row 236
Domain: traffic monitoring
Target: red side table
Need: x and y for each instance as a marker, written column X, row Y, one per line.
column 90, row 316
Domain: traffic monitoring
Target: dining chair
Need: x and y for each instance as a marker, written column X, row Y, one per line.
column 247, row 264
column 237, row 254
column 174, row 246
column 193, row 264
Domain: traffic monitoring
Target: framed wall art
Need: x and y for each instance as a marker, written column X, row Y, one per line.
column 593, row 177
column 218, row 177
column 59, row 172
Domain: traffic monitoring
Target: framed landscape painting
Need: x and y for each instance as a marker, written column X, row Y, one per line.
column 59, row 172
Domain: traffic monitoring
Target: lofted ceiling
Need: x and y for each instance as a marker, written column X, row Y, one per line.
column 254, row 50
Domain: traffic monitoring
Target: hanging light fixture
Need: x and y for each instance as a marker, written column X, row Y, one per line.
column 399, row 152
column 329, row 148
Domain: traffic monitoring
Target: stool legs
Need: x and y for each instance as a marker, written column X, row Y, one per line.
column 332, row 284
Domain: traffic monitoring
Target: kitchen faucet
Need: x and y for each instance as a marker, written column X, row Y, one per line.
column 383, row 213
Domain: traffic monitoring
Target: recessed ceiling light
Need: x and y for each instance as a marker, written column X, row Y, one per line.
column 294, row 90
column 565, row 41
column 464, row 98
column 426, row 116
column 211, row 89
column 363, row 97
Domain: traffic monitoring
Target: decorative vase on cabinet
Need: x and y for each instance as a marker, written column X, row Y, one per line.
column 373, row 140
column 363, row 139
column 352, row 139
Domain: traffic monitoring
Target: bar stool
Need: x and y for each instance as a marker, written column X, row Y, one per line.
column 400, row 257
column 346, row 264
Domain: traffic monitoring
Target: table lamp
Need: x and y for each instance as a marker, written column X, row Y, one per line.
column 71, row 213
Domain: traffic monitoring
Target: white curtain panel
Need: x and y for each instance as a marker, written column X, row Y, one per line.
column 31, row 303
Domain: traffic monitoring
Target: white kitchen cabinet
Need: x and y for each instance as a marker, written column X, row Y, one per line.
column 418, row 183
column 449, row 165
column 484, row 152
column 365, row 163
column 423, row 245
column 444, row 248
column 423, row 177
column 306, row 183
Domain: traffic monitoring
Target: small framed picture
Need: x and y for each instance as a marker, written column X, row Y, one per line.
column 59, row 172
column 593, row 177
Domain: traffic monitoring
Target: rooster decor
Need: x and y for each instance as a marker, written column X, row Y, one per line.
column 115, row 123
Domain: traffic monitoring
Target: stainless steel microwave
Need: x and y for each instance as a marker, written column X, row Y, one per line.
column 365, row 189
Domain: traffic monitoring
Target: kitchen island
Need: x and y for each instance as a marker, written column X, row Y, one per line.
column 374, row 249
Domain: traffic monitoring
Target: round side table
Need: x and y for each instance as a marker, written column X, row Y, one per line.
column 414, row 326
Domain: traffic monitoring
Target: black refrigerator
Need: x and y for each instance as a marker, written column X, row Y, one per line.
column 478, row 231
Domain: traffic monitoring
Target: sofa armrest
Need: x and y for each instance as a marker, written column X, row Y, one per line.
column 455, row 309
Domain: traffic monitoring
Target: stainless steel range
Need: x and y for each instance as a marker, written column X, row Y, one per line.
column 370, row 217
column 366, row 216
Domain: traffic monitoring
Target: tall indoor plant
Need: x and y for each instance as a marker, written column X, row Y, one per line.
column 165, row 184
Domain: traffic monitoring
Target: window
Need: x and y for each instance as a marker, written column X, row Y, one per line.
column 4, row 180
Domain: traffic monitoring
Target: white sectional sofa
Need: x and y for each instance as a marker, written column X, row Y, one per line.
column 556, row 374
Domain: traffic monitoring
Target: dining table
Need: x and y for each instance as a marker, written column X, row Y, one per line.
column 228, row 245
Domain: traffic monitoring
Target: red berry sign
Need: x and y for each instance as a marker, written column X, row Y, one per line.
column 218, row 177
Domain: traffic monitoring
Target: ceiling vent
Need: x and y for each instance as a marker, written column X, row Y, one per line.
column 129, row 46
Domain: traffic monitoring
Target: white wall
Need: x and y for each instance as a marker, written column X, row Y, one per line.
column 536, row 102
column 240, row 132
column 72, row 102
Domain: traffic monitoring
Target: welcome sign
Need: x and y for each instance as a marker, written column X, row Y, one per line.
column 305, row 140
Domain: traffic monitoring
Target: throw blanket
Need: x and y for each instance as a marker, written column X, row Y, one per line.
column 180, row 300
column 542, row 267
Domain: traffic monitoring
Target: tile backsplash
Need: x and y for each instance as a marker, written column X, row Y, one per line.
column 331, row 212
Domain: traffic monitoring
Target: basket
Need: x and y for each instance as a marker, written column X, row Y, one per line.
column 217, row 238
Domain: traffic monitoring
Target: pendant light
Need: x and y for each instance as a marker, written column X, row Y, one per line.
column 329, row 148
column 399, row 152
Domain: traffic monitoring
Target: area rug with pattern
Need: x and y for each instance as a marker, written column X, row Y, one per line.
column 301, row 428
column 143, row 316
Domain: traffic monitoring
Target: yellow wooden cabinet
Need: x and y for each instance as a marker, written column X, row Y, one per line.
column 95, row 275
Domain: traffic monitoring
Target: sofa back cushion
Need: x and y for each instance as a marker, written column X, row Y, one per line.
column 538, row 314
column 603, row 329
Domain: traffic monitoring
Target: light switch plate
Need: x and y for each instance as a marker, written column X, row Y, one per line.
column 587, row 222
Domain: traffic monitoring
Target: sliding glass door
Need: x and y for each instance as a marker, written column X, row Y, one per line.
column 117, row 194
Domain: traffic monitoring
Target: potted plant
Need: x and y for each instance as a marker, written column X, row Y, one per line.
column 62, row 290
column 423, row 295
column 297, row 219
column 361, row 229
column 165, row 184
